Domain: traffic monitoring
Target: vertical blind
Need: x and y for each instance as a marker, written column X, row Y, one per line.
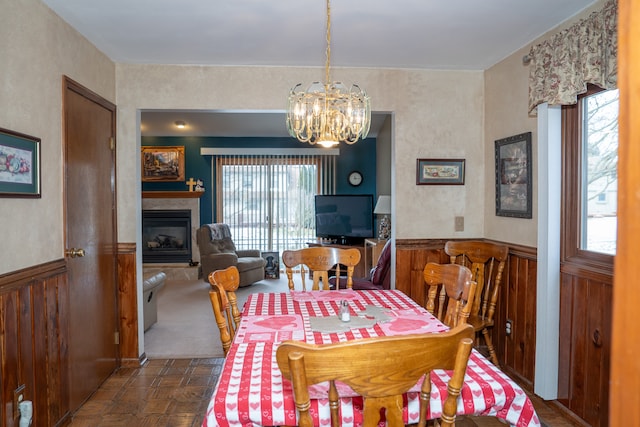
column 268, row 199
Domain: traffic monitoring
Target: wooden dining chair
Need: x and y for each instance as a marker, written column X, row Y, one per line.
column 450, row 292
column 380, row 370
column 486, row 261
column 224, row 284
column 319, row 260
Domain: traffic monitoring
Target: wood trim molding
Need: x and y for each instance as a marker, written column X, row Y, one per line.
column 18, row 278
column 128, row 303
column 126, row 248
column 420, row 243
column 172, row 194
column 526, row 252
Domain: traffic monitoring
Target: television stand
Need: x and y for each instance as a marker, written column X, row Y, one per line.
column 359, row 271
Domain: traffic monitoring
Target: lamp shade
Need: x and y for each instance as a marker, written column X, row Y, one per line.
column 383, row 206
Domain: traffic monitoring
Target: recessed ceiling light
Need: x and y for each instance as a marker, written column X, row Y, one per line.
column 180, row 124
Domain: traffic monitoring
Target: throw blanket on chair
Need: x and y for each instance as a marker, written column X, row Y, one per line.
column 219, row 231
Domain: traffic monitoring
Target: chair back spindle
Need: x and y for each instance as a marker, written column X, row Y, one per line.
column 320, row 260
column 487, row 262
column 454, row 289
column 224, row 284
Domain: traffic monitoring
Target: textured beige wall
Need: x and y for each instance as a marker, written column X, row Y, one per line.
column 506, row 102
column 438, row 114
column 37, row 48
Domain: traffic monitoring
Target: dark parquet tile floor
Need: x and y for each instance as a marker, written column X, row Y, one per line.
column 176, row 392
column 162, row 393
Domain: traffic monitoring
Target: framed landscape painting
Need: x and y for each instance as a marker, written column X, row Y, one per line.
column 19, row 165
column 162, row 164
column 513, row 176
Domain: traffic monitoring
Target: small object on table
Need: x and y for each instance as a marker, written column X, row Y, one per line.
column 345, row 313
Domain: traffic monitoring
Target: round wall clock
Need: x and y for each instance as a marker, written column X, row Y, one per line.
column 355, row 178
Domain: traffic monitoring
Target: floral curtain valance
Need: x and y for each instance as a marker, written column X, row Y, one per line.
column 586, row 52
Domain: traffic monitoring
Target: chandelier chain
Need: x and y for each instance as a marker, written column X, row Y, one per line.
column 328, row 113
column 328, row 51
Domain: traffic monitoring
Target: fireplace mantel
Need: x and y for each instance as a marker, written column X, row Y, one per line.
column 172, row 194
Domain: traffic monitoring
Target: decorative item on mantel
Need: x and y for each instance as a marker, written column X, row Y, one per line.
column 328, row 113
column 196, row 185
column 383, row 207
column 191, row 183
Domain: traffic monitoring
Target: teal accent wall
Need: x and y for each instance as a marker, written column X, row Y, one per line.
column 360, row 156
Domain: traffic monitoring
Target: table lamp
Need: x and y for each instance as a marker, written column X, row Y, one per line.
column 383, row 207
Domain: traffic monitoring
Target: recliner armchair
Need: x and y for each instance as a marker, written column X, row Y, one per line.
column 217, row 252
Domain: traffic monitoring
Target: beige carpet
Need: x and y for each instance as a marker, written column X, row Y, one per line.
column 186, row 327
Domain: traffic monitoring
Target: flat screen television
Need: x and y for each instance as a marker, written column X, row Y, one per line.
column 345, row 219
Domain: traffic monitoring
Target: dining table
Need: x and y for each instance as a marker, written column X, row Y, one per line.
column 251, row 390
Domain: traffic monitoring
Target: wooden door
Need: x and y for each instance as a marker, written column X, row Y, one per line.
column 90, row 226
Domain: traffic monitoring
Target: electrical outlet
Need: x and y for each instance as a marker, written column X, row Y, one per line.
column 18, row 396
column 459, row 223
column 508, row 326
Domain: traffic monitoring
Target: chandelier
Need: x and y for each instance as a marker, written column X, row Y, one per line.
column 328, row 113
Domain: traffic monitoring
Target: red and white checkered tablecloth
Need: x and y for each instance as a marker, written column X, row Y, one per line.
column 251, row 390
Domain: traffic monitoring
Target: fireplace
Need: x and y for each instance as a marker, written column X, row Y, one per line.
column 166, row 236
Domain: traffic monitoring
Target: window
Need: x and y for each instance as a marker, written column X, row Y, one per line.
column 268, row 201
column 590, row 158
column 600, row 179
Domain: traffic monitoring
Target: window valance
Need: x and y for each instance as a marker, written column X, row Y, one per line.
column 586, row 52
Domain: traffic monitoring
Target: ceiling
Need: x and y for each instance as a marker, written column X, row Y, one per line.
column 406, row 34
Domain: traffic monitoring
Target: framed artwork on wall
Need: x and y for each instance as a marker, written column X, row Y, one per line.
column 513, row 176
column 162, row 164
column 19, row 165
column 440, row 172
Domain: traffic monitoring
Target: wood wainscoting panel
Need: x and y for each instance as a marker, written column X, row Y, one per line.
column 585, row 323
column 34, row 342
column 411, row 257
column 585, row 345
column 128, row 305
column 518, row 304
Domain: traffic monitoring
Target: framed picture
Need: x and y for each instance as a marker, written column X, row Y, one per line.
column 272, row 269
column 162, row 164
column 19, row 165
column 513, row 176
column 440, row 172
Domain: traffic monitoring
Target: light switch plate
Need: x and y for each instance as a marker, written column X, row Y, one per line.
column 459, row 223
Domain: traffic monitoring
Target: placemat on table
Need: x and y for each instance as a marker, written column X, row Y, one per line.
column 366, row 319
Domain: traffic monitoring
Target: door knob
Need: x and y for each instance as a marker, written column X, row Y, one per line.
column 73, row 253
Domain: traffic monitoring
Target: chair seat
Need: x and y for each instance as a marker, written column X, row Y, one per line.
column 249, row 263
column 479, row 322
column 358, row 284
column 365, row 285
